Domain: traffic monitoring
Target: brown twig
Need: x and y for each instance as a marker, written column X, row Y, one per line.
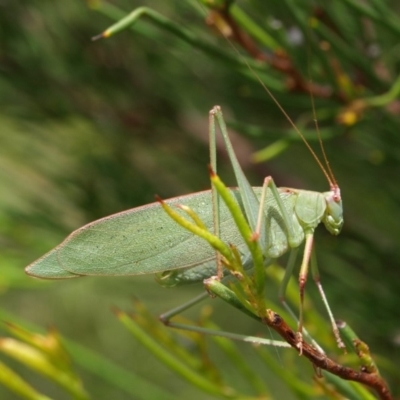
column 322, row 361
column 280, row 61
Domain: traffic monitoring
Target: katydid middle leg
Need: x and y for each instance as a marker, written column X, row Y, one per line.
column 309, row 258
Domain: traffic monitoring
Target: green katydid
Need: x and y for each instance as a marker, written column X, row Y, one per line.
column 145, row 240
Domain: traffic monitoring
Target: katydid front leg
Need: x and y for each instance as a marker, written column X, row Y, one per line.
column 306, row 210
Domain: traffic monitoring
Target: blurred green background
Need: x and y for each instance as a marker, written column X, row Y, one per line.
column 92, row 128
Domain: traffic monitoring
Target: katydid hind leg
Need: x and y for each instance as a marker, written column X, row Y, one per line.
column 250, row 203
column 229, row 335
column 166, row 317
column 244, row 185
column 249, row 198
column 214, row 194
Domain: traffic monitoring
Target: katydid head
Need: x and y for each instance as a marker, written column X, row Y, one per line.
column 333, row 218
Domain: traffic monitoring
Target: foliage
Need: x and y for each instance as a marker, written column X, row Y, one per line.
column 91, row 128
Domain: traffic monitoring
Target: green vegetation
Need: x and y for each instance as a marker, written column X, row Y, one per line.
column 92, row 128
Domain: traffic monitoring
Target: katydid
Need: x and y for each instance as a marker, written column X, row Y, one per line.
column 145, row 240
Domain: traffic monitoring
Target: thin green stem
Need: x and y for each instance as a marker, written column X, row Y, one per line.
column 215, row 51
column 382, row 100
column 195, row 378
